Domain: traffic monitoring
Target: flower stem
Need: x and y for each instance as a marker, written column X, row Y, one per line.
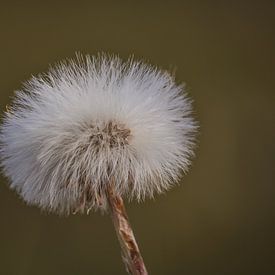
column 130, row 252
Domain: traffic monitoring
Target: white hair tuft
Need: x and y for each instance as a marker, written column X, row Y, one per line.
column 68, row 132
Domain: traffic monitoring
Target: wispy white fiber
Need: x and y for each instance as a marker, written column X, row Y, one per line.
column 91, row 121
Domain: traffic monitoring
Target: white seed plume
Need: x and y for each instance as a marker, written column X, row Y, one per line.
column 71, row 130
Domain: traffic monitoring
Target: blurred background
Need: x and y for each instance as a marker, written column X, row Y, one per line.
column 221, row 218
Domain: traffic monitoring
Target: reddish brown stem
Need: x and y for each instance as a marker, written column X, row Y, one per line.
column 130, row 251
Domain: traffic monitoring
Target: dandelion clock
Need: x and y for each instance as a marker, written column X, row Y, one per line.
column 95, row 130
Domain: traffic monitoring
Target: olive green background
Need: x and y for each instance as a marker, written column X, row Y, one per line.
column 221, row 218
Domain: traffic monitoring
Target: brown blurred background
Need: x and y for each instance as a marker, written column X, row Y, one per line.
column 221, row 219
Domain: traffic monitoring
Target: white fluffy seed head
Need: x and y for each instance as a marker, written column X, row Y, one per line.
column 70, row 131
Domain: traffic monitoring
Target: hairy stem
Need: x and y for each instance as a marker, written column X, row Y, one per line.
column 130, row 251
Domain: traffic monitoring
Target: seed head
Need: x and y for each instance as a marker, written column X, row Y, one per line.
column 86, row 121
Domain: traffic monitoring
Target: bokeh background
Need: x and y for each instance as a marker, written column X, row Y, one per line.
column 221, row 218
